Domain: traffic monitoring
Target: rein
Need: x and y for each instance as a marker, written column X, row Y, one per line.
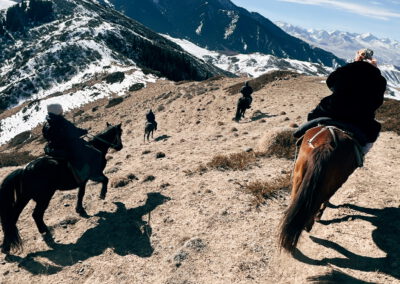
column 113, row 145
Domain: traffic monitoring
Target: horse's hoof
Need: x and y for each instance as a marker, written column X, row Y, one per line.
column 102, row 196
column 82, row 212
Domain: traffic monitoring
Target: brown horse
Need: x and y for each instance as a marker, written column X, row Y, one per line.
column 327, row 157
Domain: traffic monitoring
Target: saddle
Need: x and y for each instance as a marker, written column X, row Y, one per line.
column 351, row 129
column 359, row 137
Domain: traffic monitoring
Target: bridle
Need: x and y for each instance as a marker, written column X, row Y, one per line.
column 114, row 144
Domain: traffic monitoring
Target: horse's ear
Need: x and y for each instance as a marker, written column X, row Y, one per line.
column 119, row 125
column 108, row 124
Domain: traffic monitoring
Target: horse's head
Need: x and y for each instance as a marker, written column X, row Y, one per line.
column 112, row 136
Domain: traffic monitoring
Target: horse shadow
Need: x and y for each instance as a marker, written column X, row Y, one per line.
column 162, row 137
column 260, row 115
column 123, row 231
column 386, row 237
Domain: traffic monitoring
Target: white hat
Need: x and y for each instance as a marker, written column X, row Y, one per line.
column 55, row 109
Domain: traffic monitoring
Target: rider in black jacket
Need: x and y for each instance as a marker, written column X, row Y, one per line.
column 151, row 118
column 357, row 92
column 64, row 141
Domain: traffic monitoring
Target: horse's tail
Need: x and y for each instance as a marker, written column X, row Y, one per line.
column 305, row 203
column 8, row 200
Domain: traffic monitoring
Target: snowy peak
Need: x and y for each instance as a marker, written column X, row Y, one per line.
column 344, row 44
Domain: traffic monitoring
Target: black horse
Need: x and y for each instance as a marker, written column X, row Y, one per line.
column 149, row 129
column 243, row 104
column 41, row 178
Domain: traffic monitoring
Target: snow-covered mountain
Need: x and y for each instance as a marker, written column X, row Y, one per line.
column 253, row 64
column 256, row 64
column 222, row 26
column 71, row 55
column 344, row 45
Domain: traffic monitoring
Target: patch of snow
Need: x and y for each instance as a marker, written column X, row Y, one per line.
column 28, row 118
column 5, row 4
column 199, row 28
column 232, row 25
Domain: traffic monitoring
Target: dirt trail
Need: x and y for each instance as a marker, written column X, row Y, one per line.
column 186, row 226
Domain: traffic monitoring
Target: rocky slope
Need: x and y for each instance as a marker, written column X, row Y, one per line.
column 175, row 220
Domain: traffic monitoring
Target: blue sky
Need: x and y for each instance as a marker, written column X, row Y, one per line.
column 381, row 18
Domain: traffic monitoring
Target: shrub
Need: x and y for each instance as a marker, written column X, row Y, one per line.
column 236, row 161
column 259, row 82
column 263, row 190
column 114, row 102
column 19, row 139
column 119, row 182
column 15, row 159
column 280, row 144
column 136, row 87
column 115, row 77
column 389, row 115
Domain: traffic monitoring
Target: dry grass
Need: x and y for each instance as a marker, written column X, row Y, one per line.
column 259, row 82
column 281, row 145
column 263, row 190
column 15, row 159
column 389, row 115
column 235, row 161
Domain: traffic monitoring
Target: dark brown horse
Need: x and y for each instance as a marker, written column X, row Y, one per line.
column 40, row 179
column 149, row 128
column 327, row 157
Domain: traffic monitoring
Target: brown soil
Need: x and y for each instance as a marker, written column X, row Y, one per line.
column 194, row 224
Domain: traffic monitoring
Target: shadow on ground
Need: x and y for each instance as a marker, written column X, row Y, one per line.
column 386, row 237
column 123, row 231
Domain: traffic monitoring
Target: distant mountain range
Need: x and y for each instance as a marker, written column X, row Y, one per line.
column 345, row 44
column 221, row 26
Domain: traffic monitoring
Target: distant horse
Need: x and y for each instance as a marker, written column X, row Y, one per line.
column 149, row 128
column 327, row 157
column 40, row 179
column 242, row 104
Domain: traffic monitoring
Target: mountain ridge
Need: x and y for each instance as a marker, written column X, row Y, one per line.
column 222, row 26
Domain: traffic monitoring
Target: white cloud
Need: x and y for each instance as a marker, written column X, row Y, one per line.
column 367, row 11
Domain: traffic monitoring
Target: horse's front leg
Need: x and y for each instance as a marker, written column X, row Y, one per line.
column 321, row 211
column 104, row 182
column 41, row 205
column 79, row 203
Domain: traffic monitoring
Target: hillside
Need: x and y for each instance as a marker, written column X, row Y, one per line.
column 191, row 223
column 77, row 52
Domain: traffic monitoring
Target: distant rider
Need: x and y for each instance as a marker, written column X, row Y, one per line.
column 244, row 102
column 151, row 118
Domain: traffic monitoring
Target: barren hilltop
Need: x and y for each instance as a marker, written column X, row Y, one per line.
column 176, row 214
